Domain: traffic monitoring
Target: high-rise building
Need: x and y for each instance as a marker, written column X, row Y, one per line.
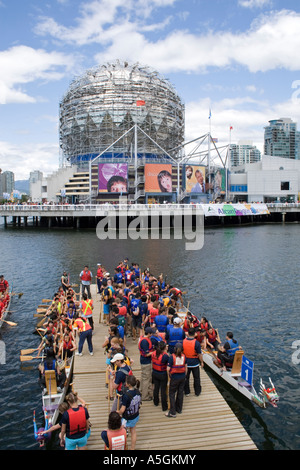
column 8, row 181
column 244, row 152
column 282, row 139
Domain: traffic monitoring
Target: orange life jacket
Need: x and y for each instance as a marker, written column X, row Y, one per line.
column 117, row 439
column 157, row 362
column 178, row 366
column 189, row 348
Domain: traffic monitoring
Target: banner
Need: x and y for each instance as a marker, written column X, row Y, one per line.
column 194, row 179
column 113, row 178
column 222, row 210
column 158, row 178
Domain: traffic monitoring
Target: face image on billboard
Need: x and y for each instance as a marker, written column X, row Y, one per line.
column 113, row 177
column 219, row 183
column 194, row 179
column 158, row 178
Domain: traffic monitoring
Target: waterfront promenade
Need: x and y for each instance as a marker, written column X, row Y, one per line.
column 88, row 215
column 207, row 422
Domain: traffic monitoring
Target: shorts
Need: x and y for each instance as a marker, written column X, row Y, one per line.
column 131, row 423
column 71, row 444
column 106, row 309
column 136, row 322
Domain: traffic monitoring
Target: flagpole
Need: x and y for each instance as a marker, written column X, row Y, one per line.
column 209, row 142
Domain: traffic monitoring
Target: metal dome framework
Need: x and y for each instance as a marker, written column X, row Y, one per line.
column 103, row 104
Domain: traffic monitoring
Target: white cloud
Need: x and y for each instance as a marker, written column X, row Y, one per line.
column 22, row 159
column 247, row 116
column 254, row 3
column 272, row 42
column 21, row 65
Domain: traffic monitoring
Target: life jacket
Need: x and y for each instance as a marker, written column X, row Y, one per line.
column 67, row 345
column 87, row 308
column 204, row 326
column 153, row 312
column 161, row 322
column 3, row 285
column 121, row 387
column 77, row 420
column 157, row 362
column 178, row 366
column 50, row 365
column 123, row 310
column 212, row 337
column 82, row 325
column 116, row 439
column 176, row 291
column 100, row 273
column 175, row 336
column 189, row 348
column 86, row 276
column 233, row 347
column 150, row 345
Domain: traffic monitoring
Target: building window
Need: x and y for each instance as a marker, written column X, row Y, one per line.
column 285, row 186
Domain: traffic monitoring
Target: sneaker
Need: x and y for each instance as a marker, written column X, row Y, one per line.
column 91, row 353
column 78, row 354
column 169, row 415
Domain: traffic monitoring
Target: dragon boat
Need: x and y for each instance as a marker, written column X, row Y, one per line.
column 239, row 375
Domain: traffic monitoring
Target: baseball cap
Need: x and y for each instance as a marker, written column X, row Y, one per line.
column 177, row 320
column 117, row 357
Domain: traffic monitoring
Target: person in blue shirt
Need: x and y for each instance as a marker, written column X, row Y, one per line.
column 161, row 321
column 175, row 335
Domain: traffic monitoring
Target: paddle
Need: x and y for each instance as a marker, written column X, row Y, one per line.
column 29, row 358
column 46, row 301
column 11, row 323
column 27, row 351
column 18, row 293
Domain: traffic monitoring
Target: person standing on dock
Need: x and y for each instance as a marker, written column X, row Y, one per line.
column 86, row 306
column 86, row 277
column 177, row 369
column 99, row 277
column 85, row 334
column 146, row 349
column 193, row 354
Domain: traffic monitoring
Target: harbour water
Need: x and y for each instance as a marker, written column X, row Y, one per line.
column 244, row 279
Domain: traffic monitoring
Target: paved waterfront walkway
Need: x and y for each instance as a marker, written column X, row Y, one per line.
column 206, row 423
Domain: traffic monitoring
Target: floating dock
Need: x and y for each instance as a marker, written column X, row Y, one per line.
column 206, row 423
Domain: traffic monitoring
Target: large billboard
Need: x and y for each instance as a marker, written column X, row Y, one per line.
column 158, row 178
column 194, row 179
column 113, row 177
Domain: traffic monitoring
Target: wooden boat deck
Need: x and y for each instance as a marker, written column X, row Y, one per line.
column 206, row 423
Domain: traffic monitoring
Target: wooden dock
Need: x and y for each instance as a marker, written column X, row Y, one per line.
column 206, row 423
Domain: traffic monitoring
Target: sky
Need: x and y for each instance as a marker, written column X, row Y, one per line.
column 238, row 58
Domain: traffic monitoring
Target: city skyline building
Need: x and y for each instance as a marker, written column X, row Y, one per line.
column 282, row 139
column 244, row 152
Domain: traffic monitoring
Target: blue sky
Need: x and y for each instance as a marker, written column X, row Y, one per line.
column 238, row 57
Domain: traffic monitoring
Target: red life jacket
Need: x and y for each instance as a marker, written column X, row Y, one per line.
column 205, row 326
column 100, row 273
column 3, row 285
column 189, row 348
column 178, row 368
column 86, row 276
column 157, row 362
column 153, row 312
column 212, row 337
column 116, row 439
column 150, row 345
column 77, row 420
column 123, row 311
column 67, row 345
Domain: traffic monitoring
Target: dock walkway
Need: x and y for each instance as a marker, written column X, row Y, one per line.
column 206, row 423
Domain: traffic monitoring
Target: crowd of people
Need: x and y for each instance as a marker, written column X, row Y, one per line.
column 149, row 310
column 4, row 295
